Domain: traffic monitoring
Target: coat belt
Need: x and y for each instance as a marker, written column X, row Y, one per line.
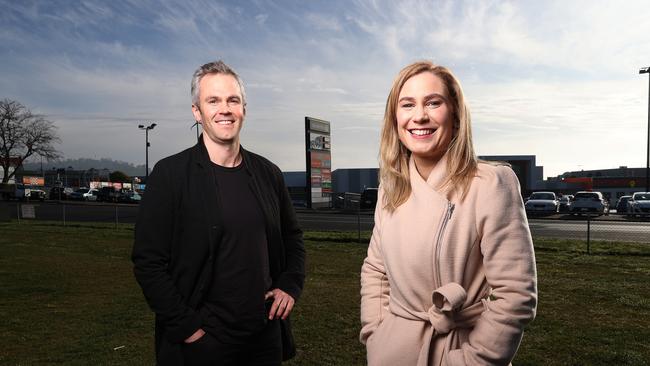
column 444, row 315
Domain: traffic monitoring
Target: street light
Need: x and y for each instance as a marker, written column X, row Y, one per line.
column 196, row 124
column 646, row 70
column 146, row 134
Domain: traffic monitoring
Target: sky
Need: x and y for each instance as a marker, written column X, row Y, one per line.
column 555, row 79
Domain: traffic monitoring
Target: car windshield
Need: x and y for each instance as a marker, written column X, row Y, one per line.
column 82, row 190
column 542, row 196
column 642, row 196
column 564, row 199
column 586, row 195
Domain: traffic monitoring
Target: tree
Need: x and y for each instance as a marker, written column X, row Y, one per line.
column 23, row 134
column 119, row 177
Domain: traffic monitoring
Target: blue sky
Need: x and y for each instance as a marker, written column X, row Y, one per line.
column 554, row 79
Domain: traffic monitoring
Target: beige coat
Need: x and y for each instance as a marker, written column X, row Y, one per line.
column 448, row 282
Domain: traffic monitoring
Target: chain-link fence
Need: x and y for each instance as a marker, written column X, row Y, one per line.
column 588, row 228
column 66, row 212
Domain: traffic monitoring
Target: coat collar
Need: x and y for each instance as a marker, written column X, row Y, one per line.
column 202, row 158
column 437, row 176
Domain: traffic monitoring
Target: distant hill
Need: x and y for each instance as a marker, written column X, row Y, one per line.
column 85, row 164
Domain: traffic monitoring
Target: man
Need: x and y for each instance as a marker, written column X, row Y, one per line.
column 218, row 251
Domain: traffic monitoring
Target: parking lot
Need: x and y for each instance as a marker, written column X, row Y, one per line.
column 611, row 227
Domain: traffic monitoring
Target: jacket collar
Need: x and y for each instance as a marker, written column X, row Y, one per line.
column 202, row 158
column 200, row 154
column 435, row 178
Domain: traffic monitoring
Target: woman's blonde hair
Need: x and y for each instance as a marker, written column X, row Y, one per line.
column 394, row 156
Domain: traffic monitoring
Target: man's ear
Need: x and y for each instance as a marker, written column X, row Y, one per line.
column 197, row 113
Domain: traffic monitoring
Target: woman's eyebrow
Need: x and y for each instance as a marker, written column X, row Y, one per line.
column 434, row 95
column 429, row 96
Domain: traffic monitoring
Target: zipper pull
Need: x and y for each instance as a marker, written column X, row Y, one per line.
column 450, row 210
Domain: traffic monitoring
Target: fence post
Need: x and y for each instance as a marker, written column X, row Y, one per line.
column 589, row 233
column 18, row 211
column 63, row 205
column 116, row 217
column 359, row 223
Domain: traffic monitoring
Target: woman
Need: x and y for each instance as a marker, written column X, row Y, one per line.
column 450, row 274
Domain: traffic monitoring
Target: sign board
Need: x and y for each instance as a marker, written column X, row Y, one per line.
column 28, row 211
column 319, row 162
column 34, row 181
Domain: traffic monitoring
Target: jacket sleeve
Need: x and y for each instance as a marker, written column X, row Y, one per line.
column 292, row 279
column 375, row 290
column 509, row 264
column 151, row 256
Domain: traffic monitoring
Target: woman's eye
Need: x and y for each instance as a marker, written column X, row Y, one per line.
column 434, row 103
column 407, row 105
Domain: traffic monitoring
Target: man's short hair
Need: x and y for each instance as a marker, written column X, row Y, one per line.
column 216, row 67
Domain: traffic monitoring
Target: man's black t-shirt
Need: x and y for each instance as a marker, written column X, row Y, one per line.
column 234, row 307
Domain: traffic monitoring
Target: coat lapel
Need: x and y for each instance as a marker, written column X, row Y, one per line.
column 206, row 188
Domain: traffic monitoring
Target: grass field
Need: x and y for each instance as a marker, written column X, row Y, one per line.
column 68, row 297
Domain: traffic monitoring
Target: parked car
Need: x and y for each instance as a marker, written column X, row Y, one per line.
column 589, row 202
column 542, row 203
column 623, row 205
column 60, row 193
column 108, row 194
column 84, row 194
column 35, row 194
column 640, row 204
column 564, row 203
column 129, row 197
column 12, row 191
column 368, row 199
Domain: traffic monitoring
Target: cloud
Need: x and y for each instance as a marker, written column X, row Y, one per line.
column 324, row 22
column 261, row 18
column 551, row 78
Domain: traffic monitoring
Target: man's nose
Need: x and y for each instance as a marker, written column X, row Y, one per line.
column 223, row 108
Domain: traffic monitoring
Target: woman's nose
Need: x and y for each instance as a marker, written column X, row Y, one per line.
column 419, row 115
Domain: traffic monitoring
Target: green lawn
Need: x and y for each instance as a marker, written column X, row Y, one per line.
column 68, row 296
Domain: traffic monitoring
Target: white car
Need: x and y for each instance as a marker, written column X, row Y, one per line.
column 34, row 194
column 640, row 204
column 542, row 202
column 589, row 202
column 84, row 194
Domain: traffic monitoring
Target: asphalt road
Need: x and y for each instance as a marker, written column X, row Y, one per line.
column 612, row 227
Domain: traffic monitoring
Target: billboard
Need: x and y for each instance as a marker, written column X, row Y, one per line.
column 319, row 162
column 33, row 181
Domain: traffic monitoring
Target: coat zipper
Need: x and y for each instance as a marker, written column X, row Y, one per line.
column 447, row 217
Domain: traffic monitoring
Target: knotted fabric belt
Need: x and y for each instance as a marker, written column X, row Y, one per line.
column 444, row 315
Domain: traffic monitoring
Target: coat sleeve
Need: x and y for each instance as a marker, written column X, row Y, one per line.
column 292, row 279
column 151, row 256
column 509, row 264
column 375, row 290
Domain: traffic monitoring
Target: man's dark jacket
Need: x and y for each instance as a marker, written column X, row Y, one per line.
column 177, row 237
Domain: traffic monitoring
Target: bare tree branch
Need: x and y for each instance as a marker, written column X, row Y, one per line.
column 23, row 134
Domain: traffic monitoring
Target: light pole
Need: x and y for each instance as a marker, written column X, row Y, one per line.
column 646, row 70
column 146, row 137
column 196, row 124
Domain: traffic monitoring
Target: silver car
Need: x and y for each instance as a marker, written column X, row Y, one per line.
column 640, row 204
column 542, row 203
column 586, row 202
